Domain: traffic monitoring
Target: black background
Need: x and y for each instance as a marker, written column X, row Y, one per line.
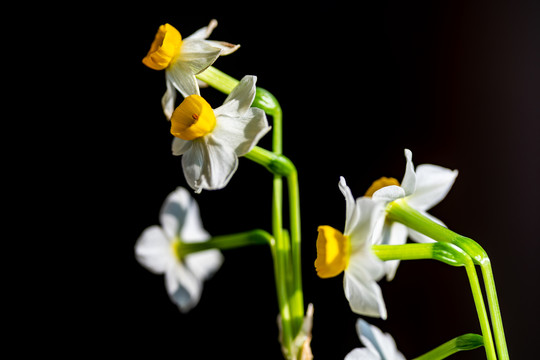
column 457, row 82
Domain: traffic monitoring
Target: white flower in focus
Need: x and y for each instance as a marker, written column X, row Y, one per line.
column 379, row 345
column 157, row 250
column 211, row 140
column 182, row 59
column 422, row 189
column 351, row 253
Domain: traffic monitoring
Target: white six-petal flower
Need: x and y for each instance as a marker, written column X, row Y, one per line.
column 156, row 250
column 196, row 55
column 422, row 189
column 364, row 267
column 379, row 345
column 182, row 59
column 210, row 161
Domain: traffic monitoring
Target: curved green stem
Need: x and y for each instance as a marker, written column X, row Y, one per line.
column 452, row 255
column 482, row 259
column 400, row 211
column 224, row 242
column 290, row 297
column 461, row 343
column 277, row 164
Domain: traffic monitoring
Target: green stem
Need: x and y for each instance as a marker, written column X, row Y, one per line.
column 461, row 343
column 218, row 80
column 224, row 242
column 290, row 300
column 276, row 164
column 482, row 259
column 400, row 211
column 452, row 255
column 281, row 268
column 263, row 100
column 294, row 213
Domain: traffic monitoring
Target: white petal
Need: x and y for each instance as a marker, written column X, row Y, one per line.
column 432, row 184
column 225, row 47
column 198, row 55
column 222, row 163
column 153, row 250
column 180, row 146
column 395, row 234
column 362, row 354
column 240, row 98
column 361, row 288
column 409, row 179
column 389, row 193
column 192, row 229
column 377, row 341
column 183, row 287
column 350, row 204
column 370, row 336
column 173, row 212
column 241, row 133
column 193, row 162
column 204, row 32
column 168, row 99
column 359, row 228
column 209, row 164
column 204, row 264
column 183, row 79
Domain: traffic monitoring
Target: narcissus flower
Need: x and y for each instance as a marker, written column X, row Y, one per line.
column 211, row 140
column 182, row 59
column 379, row 345
column 350, row 252
column 157, row 250
column 422, row 190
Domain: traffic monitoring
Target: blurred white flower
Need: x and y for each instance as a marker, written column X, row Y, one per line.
column 157, row 250
column 379, row 346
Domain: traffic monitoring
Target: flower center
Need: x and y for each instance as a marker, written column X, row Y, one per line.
column 193, row 118
column 164, row 49
column 333, row 252
column 175, row 247
column 379, row 184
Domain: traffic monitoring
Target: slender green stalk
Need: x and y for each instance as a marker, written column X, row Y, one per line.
column 266, row 101
column 218, row 80
column 484, row 262
column 294, row 212
column 404, row 252
column 290, row 298
column 276, row 164
column 452, row 255
column 461, row 343
column 281, row 264
column 224, row 242
column 400, row 211
column 495, row 310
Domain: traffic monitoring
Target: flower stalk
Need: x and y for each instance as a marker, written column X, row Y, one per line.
column 218, row 80
column 451, row 255
column 226, row 242
column 461, row 343
column 286, row 250
column 400, row 211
